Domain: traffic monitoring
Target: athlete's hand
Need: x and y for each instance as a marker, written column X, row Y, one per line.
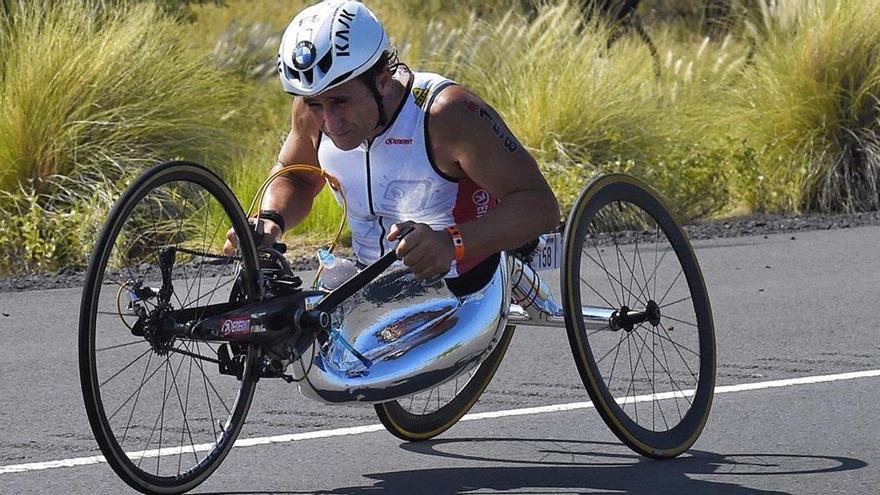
column 271, row 233
column 428, row 253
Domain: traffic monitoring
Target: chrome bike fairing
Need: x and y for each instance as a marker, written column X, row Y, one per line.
column 408, row 336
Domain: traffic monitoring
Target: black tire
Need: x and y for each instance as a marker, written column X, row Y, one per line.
column 142, row 222
column 616, row 214
column 404, row 419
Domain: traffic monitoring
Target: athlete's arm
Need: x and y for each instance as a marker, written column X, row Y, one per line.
column 468, row 138
column 292, row 193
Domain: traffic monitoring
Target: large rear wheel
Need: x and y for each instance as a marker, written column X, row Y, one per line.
column 427, row 414
column 161, row 411
column 650, row 367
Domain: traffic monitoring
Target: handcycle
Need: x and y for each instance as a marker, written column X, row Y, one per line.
column 174, row 336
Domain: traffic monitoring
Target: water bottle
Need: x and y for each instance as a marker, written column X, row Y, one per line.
column 336, row 269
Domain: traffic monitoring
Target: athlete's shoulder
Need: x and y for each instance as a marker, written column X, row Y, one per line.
column 458, row 113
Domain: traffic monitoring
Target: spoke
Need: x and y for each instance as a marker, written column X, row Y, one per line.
column 669, row 374
column 652, row 378
column 211, row 294
column 656, row 239
column 641, row 361
column 683, row 360
column 183, row 412
column 137, row 397
column 136, row 392
column 113, row 313
column 675, row 302
column 205, row 248
column 121, row 345
column 614, row 362
column 622, row 256
column 610, row 278
column 202, row 261
column 205, row 376
column 207, row 395
column 125, row 368
column 207, row 294
column 679, row 321
column 657, row 264
column 186, row 407
column 607, row 274
column 165, row 394
column 645, row 293
column 669, row 339
column 196, row 356
column 597, row 293
column 177, row 246
column 162, row 416
column 619, row 271
column 680, row 272
column 672, row 381
column 428, row 401
column 619, row 342
column 631, row 379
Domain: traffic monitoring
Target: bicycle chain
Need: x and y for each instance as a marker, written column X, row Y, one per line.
column 208, row 255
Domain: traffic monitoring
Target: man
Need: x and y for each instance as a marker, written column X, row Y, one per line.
column 408, row 149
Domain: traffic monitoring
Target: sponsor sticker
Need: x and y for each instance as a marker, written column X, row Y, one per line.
column 236, row 326
column 393, row 141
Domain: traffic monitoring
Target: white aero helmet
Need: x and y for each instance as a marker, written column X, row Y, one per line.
column 328, row 44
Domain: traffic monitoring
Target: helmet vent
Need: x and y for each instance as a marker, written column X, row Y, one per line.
column 341, row 78
column 325, row 63
column 308, row 75
column 290, row 73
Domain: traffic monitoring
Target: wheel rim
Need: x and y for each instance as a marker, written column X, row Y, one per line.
column 433, row 400
column 166, row 416
column 654, row 371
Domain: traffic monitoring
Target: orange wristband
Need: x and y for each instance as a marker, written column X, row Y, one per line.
column 457, row 242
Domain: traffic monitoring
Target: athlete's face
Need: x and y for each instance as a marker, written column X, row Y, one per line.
column 347, row 114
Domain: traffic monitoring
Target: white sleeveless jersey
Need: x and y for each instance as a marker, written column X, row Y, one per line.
column 393, row 179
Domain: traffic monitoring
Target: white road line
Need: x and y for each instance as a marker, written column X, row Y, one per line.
column 357, row 430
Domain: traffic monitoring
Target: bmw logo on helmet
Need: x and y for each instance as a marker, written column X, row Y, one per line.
column 304, row 55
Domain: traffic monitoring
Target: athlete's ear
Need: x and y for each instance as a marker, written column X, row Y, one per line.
column 384, row 82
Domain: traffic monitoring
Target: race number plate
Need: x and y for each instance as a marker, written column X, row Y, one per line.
column 548, row 254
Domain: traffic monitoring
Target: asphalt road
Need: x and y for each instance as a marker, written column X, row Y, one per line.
column 786, row 310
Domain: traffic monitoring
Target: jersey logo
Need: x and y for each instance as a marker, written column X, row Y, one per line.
column 481, row 200
column 421, row 96
column 406, row 196
column 393, row 141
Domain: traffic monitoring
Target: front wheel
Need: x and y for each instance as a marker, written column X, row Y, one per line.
column 649, row 363
column 162, row 411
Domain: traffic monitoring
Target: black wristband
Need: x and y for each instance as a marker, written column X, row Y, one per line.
column 273, row 216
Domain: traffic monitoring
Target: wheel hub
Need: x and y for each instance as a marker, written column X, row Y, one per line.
column 627, row 319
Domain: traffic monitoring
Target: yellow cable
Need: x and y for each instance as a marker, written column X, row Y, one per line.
column 331, row 181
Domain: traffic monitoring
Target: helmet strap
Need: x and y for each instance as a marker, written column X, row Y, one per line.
column 383, row 118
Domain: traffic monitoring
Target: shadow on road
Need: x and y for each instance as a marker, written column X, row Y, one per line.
column 577, row 466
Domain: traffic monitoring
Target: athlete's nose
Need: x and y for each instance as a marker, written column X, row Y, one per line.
column 333, row 122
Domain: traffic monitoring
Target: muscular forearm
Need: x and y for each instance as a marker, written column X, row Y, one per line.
column 520, row 218
column 291, row 197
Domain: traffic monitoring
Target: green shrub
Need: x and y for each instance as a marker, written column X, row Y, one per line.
column 810, row 105
column 87, row 93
